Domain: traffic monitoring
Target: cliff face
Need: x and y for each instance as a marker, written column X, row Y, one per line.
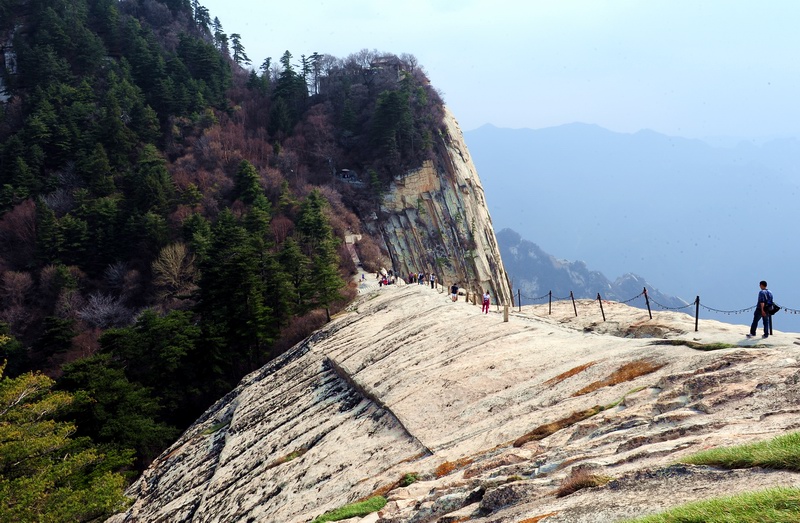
column 436, row 219
column 491, row 416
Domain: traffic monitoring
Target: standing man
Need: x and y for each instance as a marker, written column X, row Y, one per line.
column 761, row 312
column 433, row 280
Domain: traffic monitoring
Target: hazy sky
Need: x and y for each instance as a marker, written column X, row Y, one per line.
column 693, row 68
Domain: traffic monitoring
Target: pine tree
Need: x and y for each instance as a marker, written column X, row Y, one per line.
column 45, row 475
column 235, row 318
column 239, row 56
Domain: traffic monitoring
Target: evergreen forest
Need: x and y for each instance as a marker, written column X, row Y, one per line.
column 172, row 217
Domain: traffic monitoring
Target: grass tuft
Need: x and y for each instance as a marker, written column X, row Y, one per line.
column 627, row 372
column 353, row 510
column 542, row 431
column 697, row 346
column 408, row 479
column 776, row 505
column 782, row 452
column 215, row 427
column 287, row 458
column 571, row 372
column 578, row 479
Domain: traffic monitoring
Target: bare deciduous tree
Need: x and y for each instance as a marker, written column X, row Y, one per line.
column 16, row 287
column 174, row 271
column 103, row 311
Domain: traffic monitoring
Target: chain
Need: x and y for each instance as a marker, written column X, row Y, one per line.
column 535, row 299
column 631, row 299
column 740, row 311
column 671, row 308
column 786, row 310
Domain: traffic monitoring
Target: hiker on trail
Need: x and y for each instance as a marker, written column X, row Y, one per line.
column 454, row 292
column 486, row 299
column 421, row 278
column 433, row 280
column 761, row 312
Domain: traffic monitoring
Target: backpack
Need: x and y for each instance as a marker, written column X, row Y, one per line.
column 770, row 308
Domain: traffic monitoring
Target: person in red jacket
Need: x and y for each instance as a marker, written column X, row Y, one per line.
column 486, row 298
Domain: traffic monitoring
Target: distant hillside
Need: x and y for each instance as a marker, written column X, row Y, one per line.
column 698, row 219
column 172, row 218
column 535, row 273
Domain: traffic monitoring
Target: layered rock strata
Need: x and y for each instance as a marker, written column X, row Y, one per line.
column 435, row 218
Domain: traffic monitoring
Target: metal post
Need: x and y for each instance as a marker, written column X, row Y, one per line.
column 573, row 303
column 550, row 301
column 647, row 301
column 519, row 300
column 600, row 301
column 696, row 312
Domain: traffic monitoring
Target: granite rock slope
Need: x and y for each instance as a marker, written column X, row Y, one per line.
column 435, row 218
column 492, row 416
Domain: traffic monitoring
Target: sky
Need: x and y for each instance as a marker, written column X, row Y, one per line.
column 704, row 69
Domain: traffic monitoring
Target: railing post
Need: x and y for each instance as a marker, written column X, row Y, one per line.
column 647, row 301
column 550, row 301
column 600, row 301
column 519, row 300
column 696, row 312
column 505, row 313
column 575, row 308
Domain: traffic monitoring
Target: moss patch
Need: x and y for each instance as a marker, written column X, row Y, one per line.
column 696, row 346
column 353, row 510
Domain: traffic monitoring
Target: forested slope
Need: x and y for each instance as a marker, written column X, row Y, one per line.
column 171, row 219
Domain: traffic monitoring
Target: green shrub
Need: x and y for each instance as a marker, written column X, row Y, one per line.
column 408, row 479
column 353, row 510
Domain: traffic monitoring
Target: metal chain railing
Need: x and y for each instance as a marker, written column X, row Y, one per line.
column 738, row 311
column 535, row 299
column 672, row 308
column 696, row 303
column 631, row 299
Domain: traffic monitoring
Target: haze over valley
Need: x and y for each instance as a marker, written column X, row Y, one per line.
column 691, row 218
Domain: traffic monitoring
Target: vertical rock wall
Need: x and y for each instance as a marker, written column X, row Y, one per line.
column 435, row 218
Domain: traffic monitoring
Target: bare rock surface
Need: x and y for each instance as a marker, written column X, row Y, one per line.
column 435, row 219
column 492, row 416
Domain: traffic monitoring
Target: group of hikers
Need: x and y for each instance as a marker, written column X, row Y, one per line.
column 423, row 278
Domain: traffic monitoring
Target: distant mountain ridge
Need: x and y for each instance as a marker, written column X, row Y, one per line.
column 535, row 273
column 700, row 220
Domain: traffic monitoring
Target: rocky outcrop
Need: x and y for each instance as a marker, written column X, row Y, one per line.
column 435, row 218
column 491, row 416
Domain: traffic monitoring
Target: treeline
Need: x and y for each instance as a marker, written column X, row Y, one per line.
column 169, row 221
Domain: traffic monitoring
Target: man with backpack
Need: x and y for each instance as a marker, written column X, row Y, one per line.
column 763, row 311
